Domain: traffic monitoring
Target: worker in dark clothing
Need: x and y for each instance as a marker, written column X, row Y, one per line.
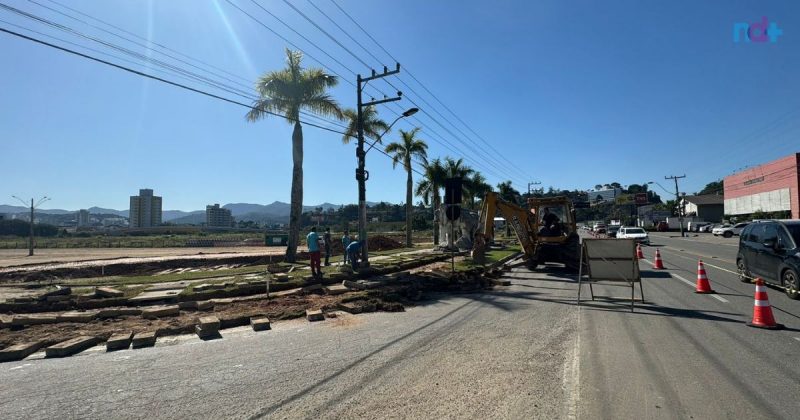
column 326, row 239
column 354, row 253
column 550, row 223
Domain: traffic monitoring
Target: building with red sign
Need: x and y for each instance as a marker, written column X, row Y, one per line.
column 771, row 187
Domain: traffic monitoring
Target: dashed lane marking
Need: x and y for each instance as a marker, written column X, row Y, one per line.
column 714, row 295
column 705, row 263
column 797, row 338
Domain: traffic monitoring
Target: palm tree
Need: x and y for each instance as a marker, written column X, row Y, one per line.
column 286, row 92
column 428, row 189
column 403, row 152
column 508, row 193
column 476, row 187
column 373, row 126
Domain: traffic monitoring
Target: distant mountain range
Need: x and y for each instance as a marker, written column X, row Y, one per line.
column 276, row 212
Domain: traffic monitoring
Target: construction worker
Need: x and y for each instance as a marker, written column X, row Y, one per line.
column 312, row 240
column 345, row 242
column 326, row 240
column 353, row 251
column 550, row 222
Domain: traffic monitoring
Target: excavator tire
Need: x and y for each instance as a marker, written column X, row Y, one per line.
column 571, row 253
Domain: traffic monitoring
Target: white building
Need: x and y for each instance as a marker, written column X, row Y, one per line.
column 145, row 209
column 217, row 216
column 83, row 218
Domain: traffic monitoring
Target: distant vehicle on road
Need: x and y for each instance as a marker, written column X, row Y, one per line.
column 771, row 250
column 662, row 226
column 707, row 228
column 612, row 231
column 638, row 234
column 599, row 228
column 696, row 226
column 729, row 230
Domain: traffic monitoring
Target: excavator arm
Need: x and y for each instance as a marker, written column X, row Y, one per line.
column 519, row 218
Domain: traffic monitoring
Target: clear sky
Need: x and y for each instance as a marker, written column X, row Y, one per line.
column 567, row 93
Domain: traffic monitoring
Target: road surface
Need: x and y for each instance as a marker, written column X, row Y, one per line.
column 523, row 351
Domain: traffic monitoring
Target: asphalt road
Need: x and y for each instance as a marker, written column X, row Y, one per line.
column 686, row 355
column 497, row 355
column 523, row 351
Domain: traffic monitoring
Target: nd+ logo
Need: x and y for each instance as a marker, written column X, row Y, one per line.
column 757, row 32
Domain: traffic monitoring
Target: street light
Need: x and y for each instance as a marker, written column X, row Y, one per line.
column 409, row 112
column 30, row 232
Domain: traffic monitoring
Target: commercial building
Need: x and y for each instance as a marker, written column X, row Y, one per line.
column 771, row 187
column 83, row 218
column 145, row 209
column 217, row 216
column 600, row 196
column 707, row 207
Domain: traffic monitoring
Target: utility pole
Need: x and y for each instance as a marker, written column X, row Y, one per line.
column 677, row 199
column 30, row 231
column 361, row 174
column 532, row 183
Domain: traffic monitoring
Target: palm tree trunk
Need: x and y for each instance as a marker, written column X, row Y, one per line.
column 296, row 208
column 409, row 208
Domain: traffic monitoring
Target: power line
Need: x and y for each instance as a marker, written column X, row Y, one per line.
column 413, row 77
column 169, row 82
column 488, row 156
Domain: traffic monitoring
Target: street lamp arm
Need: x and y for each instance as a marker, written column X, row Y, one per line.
column 407, row 113
column 21, row 200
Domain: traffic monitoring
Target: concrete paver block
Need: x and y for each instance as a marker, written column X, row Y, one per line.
column 202, row 287
column 82, row 317
column 208, row 323
column 70, row 347
column 336, row 289
column 190, row 305
column 60, row 291
column 119, row 341
column 314, row 315
column 108, row 292
column 312, row 288
column 33, row 319
column 19, row 351
column 205, row 305
column 161, row 311
column 281, row 277
column 260, row 323
column 117, row 312
column 156, row 296
column 144, row 339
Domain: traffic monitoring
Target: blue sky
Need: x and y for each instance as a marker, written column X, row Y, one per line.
column 567, row 93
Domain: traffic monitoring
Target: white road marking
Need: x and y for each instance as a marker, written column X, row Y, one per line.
column 797, row 338
column 20, row 367
column 714, row 295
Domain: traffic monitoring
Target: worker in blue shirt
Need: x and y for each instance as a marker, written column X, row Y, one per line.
column 354, row 253
column 312, row 240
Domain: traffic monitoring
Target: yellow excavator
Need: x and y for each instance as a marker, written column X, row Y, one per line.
column 546, row 229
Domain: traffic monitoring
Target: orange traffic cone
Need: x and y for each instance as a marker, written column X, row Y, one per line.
column 657, row 263
column 639, row 253
column 762, row 312
column 703, row 285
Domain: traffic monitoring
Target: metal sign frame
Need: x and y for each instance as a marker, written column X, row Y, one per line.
column 610, row 265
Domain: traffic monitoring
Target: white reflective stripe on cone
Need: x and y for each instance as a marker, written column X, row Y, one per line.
column 762, row 303
column 761, row 288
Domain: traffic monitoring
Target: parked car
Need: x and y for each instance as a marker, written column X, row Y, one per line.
column 612, row 231
column 638, row 234
column 708, row 227
column 696, row 226
column 599, row 228
column 771, row 250
column 729, row 230
column 662, row 226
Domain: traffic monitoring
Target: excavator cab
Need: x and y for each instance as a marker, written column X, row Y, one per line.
column 554, row 218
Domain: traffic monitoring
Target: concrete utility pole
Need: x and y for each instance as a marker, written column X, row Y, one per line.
column 678, row 199
column 361, row 174
column 532, row 183
column 30, row 228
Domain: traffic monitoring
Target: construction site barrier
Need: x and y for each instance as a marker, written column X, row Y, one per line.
column 610, row 261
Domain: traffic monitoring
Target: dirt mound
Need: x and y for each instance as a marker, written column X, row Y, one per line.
column 376, row 243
